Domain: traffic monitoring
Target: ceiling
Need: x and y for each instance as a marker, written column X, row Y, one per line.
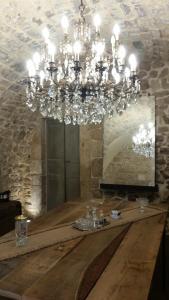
column 144, row 24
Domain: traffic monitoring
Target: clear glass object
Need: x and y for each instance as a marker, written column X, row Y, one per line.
column 21, row 230
column 143, row 202
column 88, row 212
column 94, row 216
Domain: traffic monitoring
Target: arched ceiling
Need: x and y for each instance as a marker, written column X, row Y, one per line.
column 144, row 24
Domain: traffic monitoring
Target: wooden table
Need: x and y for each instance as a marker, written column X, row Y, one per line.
column 112, row 264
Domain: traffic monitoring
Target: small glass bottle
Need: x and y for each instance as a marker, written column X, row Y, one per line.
column 101, row 217
column 21, row 230
column 94, row 217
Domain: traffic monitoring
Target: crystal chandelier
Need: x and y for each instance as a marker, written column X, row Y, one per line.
column 144, row 140
column 80, row 82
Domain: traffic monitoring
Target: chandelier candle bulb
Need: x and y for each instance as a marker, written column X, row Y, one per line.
column 127, row 76
column 133, row 63
column 36, row 60
column 45, row 34
column 113, row 44
column 97, row 22
column 113, row 41
column 31, row 68
column 116, row 76
column 116, row 31
column 122, row 54
column 42, row 77
column 127, row 73
column 65, row 24
column 77, row 49
column 51, row 51
column 100, row 46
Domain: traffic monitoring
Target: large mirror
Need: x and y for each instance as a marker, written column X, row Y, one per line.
column 129, row 145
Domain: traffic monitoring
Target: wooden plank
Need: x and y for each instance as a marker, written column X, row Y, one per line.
column 22, row 262
column 62, row 214
column 32, row 268
column 69, row 211
column 67, row 232
column 74, row 276
column 8, row 265
column 66, row 213
column 128, row 275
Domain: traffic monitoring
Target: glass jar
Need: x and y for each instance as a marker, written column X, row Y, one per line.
column 21, row 230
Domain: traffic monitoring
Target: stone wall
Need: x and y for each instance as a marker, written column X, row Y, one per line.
column 21, row 167
column 91, row 160
column 144, row 26
column 20, row 155
column 20, row 142
column 154, row 75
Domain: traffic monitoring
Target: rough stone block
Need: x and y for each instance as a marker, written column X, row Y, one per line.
column 97, row 167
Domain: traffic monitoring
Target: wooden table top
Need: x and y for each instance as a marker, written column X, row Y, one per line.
column 109, row 264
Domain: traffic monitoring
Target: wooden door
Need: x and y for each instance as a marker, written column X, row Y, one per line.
column 55, row 164
column 62, row 163
column 72, row 162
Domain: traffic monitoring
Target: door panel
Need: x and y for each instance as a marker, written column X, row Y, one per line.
column 55, row 191
column 72, row 162
column 55, row 139
column 55, row 164
column 62, row 163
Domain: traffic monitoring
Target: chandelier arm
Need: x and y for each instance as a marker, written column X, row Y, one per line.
column 55, row 82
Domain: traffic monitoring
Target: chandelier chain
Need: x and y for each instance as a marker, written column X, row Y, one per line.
column 81, row 10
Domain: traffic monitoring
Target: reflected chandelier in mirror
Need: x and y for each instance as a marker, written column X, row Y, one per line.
column 144, row 139
column 129, row 146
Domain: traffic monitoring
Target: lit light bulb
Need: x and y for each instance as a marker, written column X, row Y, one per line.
column 69, row 48
column 113, row 41
column 122, row 54
column 51, row 51
column 100, row 46
column 135, row 141
column 113, row 44
column 116, row 31
column 133, row 63
column 42, row 77
column 30, row 68
column 77, row 49
column 65, row 24
column 36, row 60
column 66, row 63
column 116, row 76
column 97, row 22
column 45, row 34
column 127, row 73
